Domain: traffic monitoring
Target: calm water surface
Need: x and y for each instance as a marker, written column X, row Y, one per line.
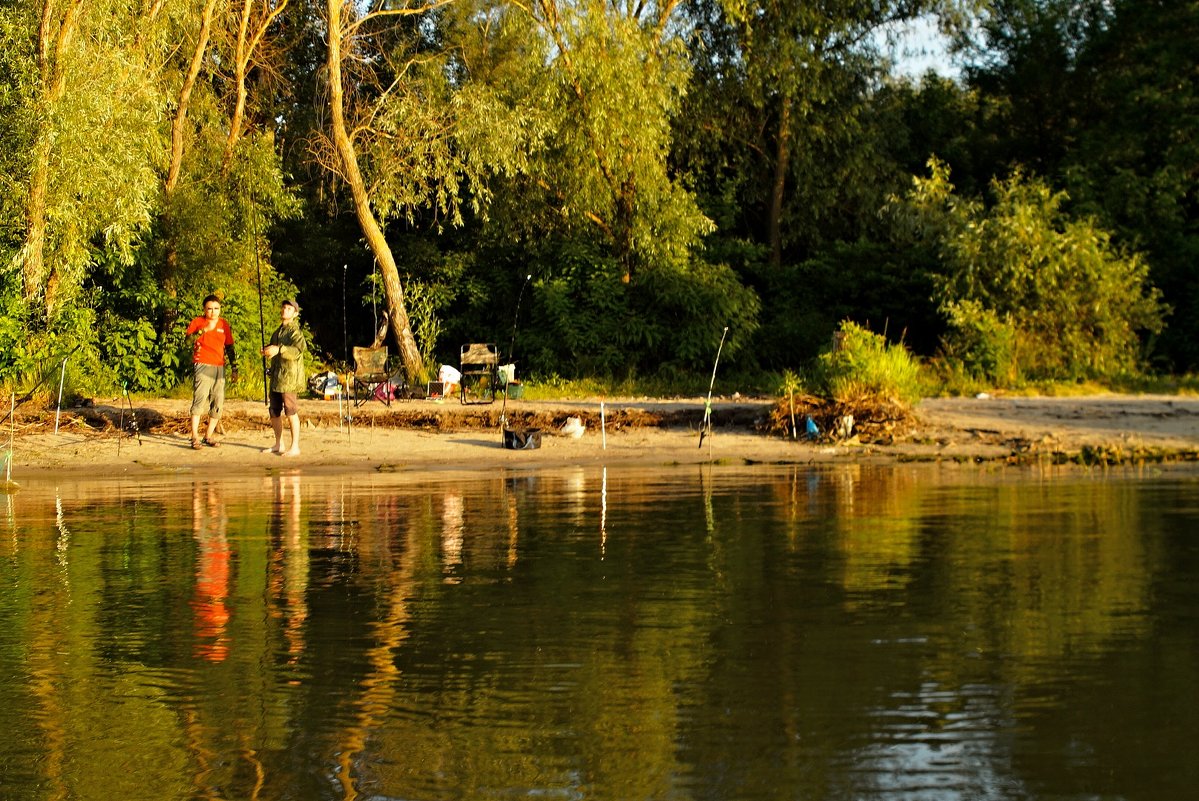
column 692, row 633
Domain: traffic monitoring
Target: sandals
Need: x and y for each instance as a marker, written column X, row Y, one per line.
column 212, row 443
column 196, row 445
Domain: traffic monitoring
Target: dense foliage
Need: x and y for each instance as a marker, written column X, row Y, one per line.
column 1028, row 292
column 599, row 188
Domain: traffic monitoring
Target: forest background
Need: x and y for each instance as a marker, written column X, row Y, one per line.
column 600, row 187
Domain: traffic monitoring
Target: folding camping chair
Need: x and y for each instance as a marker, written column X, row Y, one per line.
column 479, row 365
column 370, row 375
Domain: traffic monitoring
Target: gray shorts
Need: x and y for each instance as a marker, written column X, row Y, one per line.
column 208, row 390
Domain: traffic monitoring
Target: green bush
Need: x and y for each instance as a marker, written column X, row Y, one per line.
column 861, row 365
column 981, row 343
column 1029, row 291
column 581, row 317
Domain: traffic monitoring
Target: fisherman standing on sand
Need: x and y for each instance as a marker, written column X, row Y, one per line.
column 286, row 353
column 211, row 339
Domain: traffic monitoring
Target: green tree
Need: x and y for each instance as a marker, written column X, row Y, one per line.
column 614, row 77
column 1099, row 98
column 86, row 105
column 122, row 196
column 595, row 211
column 1072, row 304
column 779, row 127
column 1023, row 61
column 405, row 136
column 1133, row 155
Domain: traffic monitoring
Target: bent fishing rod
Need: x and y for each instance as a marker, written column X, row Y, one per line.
column 705, row 428
column 46, row 374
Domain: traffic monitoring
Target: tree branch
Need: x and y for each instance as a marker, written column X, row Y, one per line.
column 351, row 30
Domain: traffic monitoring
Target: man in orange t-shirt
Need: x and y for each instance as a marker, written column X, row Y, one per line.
column 211, row 339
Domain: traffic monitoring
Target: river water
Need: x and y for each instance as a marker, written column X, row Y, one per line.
column 718, row 633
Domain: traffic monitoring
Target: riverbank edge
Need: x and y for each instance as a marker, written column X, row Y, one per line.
column 106, row 437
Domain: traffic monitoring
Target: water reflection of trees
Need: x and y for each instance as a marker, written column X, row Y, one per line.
column 956, row 595
column 363, row 635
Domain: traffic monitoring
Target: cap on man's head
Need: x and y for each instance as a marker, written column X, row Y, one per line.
column 292, row 303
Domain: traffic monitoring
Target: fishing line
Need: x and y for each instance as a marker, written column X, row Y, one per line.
column 516, row 316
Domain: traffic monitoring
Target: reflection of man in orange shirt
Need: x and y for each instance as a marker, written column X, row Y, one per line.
column 211, row 339
column 212, row 574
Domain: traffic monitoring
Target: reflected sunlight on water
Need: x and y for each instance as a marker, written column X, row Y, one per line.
column 844, row 632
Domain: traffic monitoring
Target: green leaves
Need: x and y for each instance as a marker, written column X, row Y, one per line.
column 1074, row 304
column 613, row 82
column 130, row 345
column 862, row 366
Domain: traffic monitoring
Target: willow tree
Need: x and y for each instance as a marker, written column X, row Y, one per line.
column 89, row 108
column 403, row 136
column 594, row 209
column 613, row 76
column 218, row 49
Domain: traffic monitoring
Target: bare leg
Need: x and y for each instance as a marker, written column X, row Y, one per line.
column 212, row 423
column 277, row 427
column 195, row 428
column 294, row 423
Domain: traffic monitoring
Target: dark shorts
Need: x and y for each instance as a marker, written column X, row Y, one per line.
column 284, row 403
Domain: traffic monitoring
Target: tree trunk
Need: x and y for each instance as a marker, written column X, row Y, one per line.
column 54, row 37
column 248, row 43
column 33, row 249
column 179, row 123
column 782, row 163
column 241, row 62
column 168, row 271
column 397, row 312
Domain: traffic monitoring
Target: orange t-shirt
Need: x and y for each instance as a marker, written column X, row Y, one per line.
column 210, row 346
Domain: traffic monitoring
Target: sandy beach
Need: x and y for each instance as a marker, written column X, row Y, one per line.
column 98, row 439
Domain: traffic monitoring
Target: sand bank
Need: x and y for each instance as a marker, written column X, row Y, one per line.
column 97, row 439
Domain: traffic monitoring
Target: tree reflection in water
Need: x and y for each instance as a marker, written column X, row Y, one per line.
column 758, row 633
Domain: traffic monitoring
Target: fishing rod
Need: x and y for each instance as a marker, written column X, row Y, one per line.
column 38, row 385
column 705, row 428
column 132, row 418
column 511, row 350
column 516, row 316
column 261, row 318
